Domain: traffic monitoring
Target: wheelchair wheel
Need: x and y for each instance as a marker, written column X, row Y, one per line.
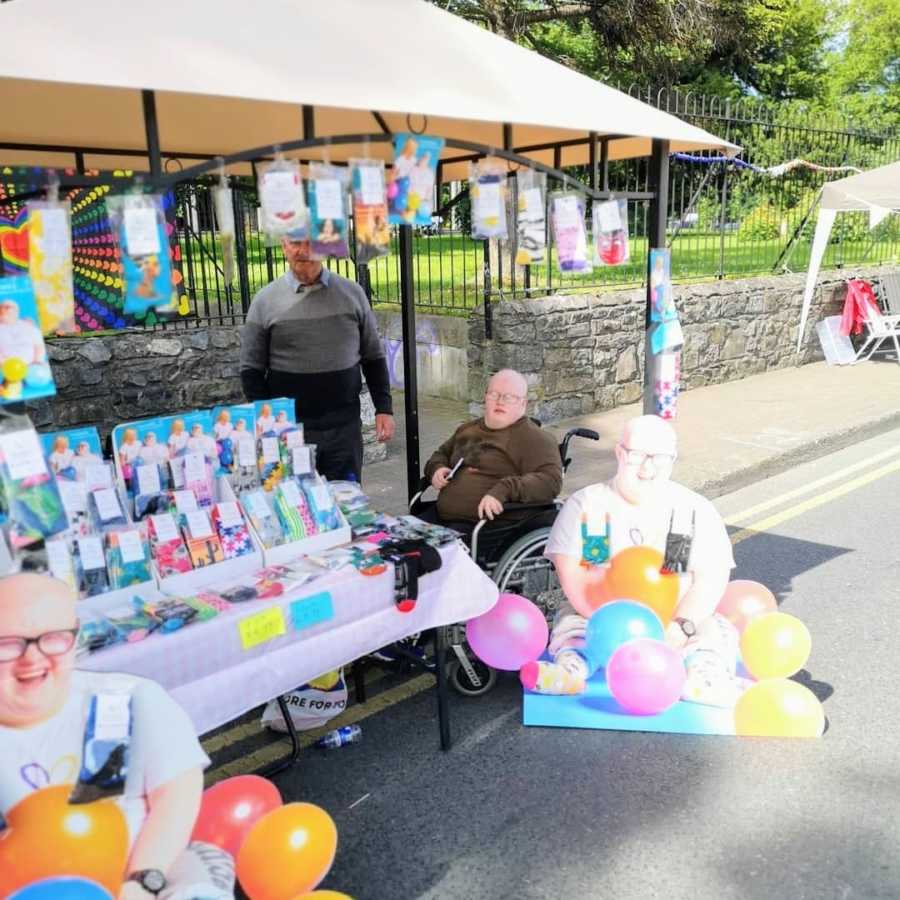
column 467, row 674
column 523, row 569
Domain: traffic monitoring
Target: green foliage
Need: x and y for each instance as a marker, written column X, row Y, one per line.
column 762, row 224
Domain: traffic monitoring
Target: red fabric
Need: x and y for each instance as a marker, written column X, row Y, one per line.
column 859, row 306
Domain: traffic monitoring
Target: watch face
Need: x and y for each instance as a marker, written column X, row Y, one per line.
column 687, row 626
column 153, row 880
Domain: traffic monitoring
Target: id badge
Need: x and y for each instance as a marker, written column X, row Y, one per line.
column 594, row 547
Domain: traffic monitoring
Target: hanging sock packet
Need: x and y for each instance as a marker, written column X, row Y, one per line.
column 370, row 209
column 225, row 221
column 322, row 505
column 487, row 193
column 139, row 224
column 196, row 475
column 245, row 474
column 167, row 546
column 531, row 217
column 106, row 511
column 90, row 566
column 271, row 471
column 282, row 206
column 328, row 211
column 147, row 484
column 292, row 511
column 203, row 543
column 262, row 517
column 610, row 227
column 232, row 530
column 569, row 232
column 300, row 460
column 411, row 188
column 127, row 559
column 50, row 265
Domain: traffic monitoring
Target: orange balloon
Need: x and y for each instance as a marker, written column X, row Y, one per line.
column 324, row 895
column 745, row 600
column 634, row 574
column 287, row 852
column 47, row 836
column 775, row 645
column 779, row 708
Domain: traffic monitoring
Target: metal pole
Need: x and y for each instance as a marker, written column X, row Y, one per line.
column 410, row 386
column 604, row 162
column 309, row 122
column 656, row 238
column 151, row 128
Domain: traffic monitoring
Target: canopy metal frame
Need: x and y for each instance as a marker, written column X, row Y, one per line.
column 598, row 189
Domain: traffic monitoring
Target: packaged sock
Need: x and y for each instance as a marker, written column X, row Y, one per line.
column 127, row 559
column 293, row 511
column 167, row 546
column 106, row 511
column 321, row 504
column 203, row 544
column 271, row 471
column 232, row 530
column 90, row 566
column 262, row 517
column 172, row 614
column 149, row 494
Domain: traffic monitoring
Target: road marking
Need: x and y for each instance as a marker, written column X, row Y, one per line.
column 271, row 752
column 811, row 486
column 807, row 505
column 357, row 802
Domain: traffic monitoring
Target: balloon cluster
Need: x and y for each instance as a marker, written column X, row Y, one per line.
column 52, row 850
column 281, row 851
column 16, row 372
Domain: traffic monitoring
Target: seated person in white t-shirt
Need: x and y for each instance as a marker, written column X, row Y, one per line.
column 199, row 442
column 43, row 716
column 152, row 451
column 61, row 457
column 641, row 506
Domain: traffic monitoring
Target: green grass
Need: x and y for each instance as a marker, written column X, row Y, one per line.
column 449, row 279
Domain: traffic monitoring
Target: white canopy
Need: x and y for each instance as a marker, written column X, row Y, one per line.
column 876, row 192
column 229, row 76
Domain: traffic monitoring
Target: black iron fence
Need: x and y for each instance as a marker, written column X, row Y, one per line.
column 725, row 220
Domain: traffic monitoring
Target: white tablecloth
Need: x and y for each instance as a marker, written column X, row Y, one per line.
column 206, row 670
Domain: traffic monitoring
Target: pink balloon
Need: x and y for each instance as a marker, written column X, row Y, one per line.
column 511, row 634
column 745, row 600
column 645, row 676
column 392, row 190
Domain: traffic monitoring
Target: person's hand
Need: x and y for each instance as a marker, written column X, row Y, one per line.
column 489, row 507
column 675, row 637
column 384, row 426
column 439, row 479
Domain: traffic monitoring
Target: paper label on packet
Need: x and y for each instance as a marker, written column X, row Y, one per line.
column 371, row 185
column 534, row 204
column 293, row 439
column 59, row 559
column 97, row 475
column 608, row 216
column 282, row 193
column 489, row 200
column 322, row 497
column 141, row 231
column 229, row 514
column 259, row 509
column 148, row 480
column 567, row 212
column 90, row 550
column 246, row 452
column 112, row 718
column 74, row 496
column 164, row 527
column 329, row 203
column 199, row 524
column 22, row 454
column 270, row 450
column 131, row 546
column 55, row 237
column 301, row 461
column 194, row 467
column 107, row 504
column 291, row 493
column 185, row 501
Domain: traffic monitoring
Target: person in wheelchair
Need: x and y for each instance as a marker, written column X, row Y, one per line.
column 501, row 458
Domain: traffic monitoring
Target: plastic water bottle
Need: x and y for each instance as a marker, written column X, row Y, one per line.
column 349, row 734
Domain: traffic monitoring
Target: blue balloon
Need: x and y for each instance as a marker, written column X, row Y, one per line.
column 38, row 375
column 613, row 624
column 62, row 889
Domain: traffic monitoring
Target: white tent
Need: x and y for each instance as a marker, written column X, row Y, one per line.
column 228, row 76
column 876, row 192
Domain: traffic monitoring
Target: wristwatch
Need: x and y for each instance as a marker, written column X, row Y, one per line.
column 151, row 880
column 687, row 626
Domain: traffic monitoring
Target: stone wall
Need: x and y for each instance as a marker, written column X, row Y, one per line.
column 120, row 377
column 584, row 353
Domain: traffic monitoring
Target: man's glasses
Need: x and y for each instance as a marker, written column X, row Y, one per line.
column 50, row 643
column 639, row 457
column 497, row 397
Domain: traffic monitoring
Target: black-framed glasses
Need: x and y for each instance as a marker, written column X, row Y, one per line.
column 639, row 457
column 497, row 397
column 50, row 643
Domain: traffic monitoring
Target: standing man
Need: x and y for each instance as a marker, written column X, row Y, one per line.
column 307, row 335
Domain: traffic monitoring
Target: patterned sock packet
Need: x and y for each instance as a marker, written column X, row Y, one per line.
column 150, row 495
column 199, row 479
column 167, row 546
column 105, row 511
column 321, row 503
column 262, row 517
column 207, row 604
column 245, row 473
column 293, row 510
column 203, row 543
column 271, row 470
column 127, row 559
column 171, row 613
column 232, row 530
column 90, row 566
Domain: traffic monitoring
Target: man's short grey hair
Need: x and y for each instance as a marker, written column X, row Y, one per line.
column 523, row 381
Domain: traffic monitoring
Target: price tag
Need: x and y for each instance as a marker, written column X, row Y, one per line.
column 90, row 549
column 608, row 216
column 194, row 468
column 258, row 506
column 282, row 194
column 130, row 545
column 164, row 527
column 322, row 497
column 22, row 454
column 269, row 449
column 59, row 560
column 141, row 231
column 148, row 480
column 185, row 501
column 97, row 475
column 177, row 468
column 329, row 202
column 301, row 461
column 489, row 199
column 107, row 504
column 293, row 439
column 55, row 224
column 74, row 496
column 310, row 611
column 534, row 204
column 246, row 452
column 112, row 716
column 199, row 525
column 371, row 185
column 261, row 627
column 230, row 514
column 567, row 212
column 291, row 493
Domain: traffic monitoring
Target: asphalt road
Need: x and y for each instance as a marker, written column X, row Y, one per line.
column 514, row 812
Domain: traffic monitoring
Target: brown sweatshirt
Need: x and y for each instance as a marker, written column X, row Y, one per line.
column 516, row 464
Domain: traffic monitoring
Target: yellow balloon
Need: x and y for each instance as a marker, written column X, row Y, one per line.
column 779, row 708
column 775, row 645
column 14, row 369
column 324, row 895
column 413, row 200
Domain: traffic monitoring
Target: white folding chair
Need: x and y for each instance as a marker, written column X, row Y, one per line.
column 879, row 328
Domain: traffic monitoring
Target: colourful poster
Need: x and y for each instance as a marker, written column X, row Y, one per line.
column 411, row 187
column 23, row 356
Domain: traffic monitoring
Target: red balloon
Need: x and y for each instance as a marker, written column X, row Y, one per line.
column 745, row 600
column 231, row 808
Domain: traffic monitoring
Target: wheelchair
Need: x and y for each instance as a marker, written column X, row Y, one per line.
column 510, row 549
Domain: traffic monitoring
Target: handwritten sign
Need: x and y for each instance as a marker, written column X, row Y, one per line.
column 309, row 611
column 261, row 627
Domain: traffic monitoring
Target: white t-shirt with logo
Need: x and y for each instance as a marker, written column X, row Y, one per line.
column 163, row 745
column 646, row 525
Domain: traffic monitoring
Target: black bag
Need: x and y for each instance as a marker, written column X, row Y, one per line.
column 412, row 560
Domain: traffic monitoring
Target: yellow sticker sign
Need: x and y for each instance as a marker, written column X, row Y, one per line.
column 261, row 627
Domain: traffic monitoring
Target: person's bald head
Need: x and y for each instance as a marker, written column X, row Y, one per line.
column 34, row 686
column 505, row 399
column 645, row 456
